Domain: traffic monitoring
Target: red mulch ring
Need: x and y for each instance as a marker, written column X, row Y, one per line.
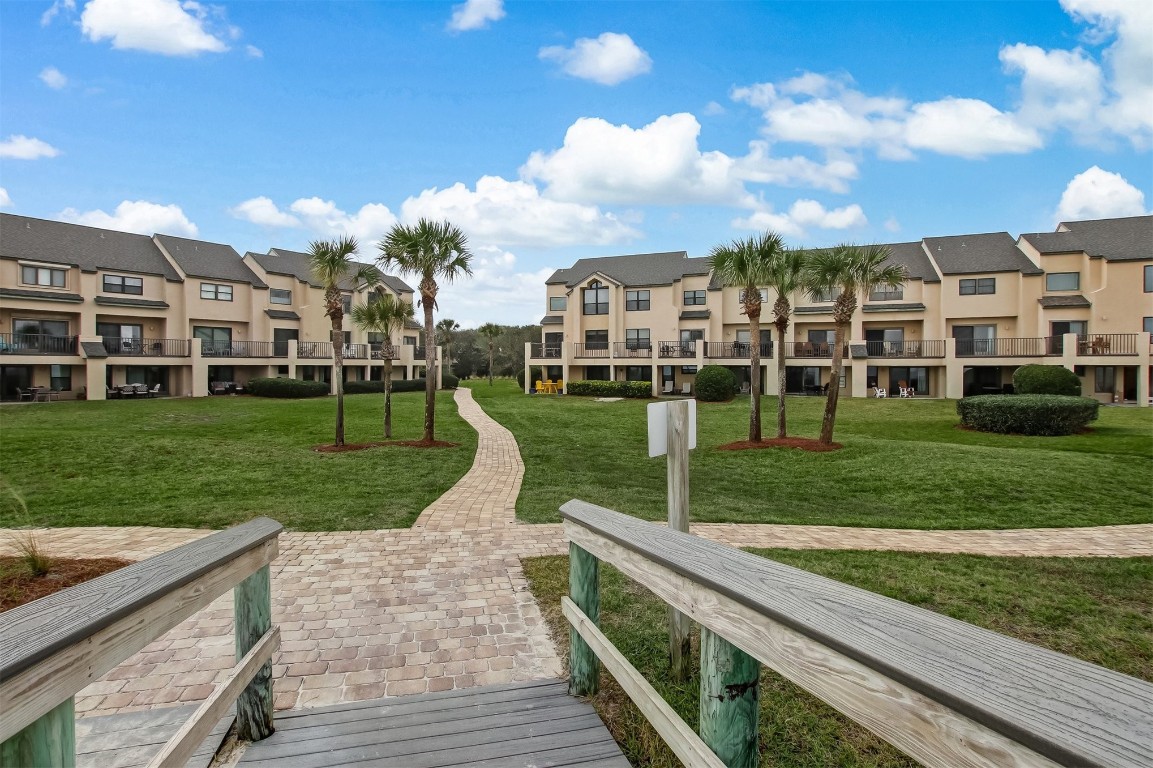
column 804, row 443
column 19, row 586
column 326, row 448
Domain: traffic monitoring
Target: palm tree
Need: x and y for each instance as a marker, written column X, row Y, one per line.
column 848, row 269
column 444, row 333
column 490, row 331
column 385, row 316
column 431, row 250
column 786, row 275
column 332, row 266
column 748, row 263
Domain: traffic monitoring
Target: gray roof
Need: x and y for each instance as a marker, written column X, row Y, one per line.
column 94, row 350
column 20, row 293
column 1127, row 239
column 913, row 306
column 552, row 320
column 280, row 261
column 282, row 314
column 1054, row 242
column 979, row 254
column 89, row 248
column 825, row 309
column 638, row 269
column 121, row 301
column 695, row 314
column 213, row 261
column 1064, row 301
column 915, row 260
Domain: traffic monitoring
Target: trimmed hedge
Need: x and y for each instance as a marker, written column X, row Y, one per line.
column 638, row 389
column 1046, row 380
column 715, row 384
column 398, row 385
column 1047, row 415
column 290, row 388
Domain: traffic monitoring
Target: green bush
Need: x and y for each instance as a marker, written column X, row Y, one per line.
column 715, row 384
column 1047, row 415
column 1046, row 380
column 637, row 389
column 535, row 374
column 398, row 385
column 290, row 388
column 364, row 387
column 450, row 381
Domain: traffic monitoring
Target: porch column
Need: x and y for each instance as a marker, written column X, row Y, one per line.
column 1069, row 350
column 199, row 370
column 293, row 357
column 860, row 374
column 527, row 366
column 1144, row 368
column 954, row 371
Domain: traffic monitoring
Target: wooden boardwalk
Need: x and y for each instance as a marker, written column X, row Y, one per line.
column 521, row 724
column 134, row 738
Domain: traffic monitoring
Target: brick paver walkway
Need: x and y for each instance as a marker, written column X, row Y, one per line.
column 444, row 604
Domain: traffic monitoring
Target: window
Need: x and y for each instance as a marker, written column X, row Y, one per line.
column 638, row 373
column 698, row 298
column 281, row 296
column 828, row 295
column 56, row 328
column 975, row 339
column 215, row 292
column 213, row 341
column 410, row 341
column 764, row 296
column 557, row 303
column 1103, row 380
column 637, row 338
column 346, row 303
column 978, row 285
column 887, row 293
column 596, row 339
column 597, row 373
column 122, row 284
column 54, row 278
column 688, row 337
column 62, row 378
column 1147, row 325
column 688, row 369
column 1063, row 281
column 636, row 301
column 1149, row 278
column 596, row 299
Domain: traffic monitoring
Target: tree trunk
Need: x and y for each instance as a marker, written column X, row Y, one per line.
column 834, row 385
column 755, row 378
column 490, row 363
column 782, row 328
column 388, row 398
column 429, row 381
column 338, row 372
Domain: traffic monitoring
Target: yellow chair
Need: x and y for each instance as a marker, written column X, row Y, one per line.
column 539, row 387
column 560, row 386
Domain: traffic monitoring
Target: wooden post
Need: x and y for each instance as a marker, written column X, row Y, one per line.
column 584, row 589
column 680, row 653
column 49, row 742
column 730, row 701
column 252, row 600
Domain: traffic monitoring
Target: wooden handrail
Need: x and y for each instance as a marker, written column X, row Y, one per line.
column 943, row 691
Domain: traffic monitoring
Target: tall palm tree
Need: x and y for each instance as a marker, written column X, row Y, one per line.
column 433, row 251
column 747, row 263
column 850, row 270
column 445, row 330
column 386, row 317
column 490, row 331
column 333, row 267
column 786, row 276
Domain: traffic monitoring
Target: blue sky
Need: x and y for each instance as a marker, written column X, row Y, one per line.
column 554, row 130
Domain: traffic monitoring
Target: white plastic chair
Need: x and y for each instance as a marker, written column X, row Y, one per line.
column 908, row 391
column 880, row 392
column 668, row 388
column 686, row 389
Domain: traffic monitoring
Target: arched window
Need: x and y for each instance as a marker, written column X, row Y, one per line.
column 596, row 299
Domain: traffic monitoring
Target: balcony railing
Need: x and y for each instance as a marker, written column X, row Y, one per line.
column 1010, row 347
column 593, row 349
column 632, row 349
column 677, row 349
column 384, row 351
column 546, row 350
column 314, row 350
column 236, row 348
column 117, row 346
column 812, row 349
column 736, row 350
column 1107, row 344
column 37, row 344
column 354, row 351
column 418, row 353
column 923, row 348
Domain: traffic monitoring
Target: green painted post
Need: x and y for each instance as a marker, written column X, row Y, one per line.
column 584, row 589
column 730, row 701
column 252, row 600
column 48, row 742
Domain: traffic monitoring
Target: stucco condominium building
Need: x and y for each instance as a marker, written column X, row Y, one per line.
column 974, row 308
column 86, row 310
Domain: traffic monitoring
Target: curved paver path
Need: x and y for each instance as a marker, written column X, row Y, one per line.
column 445, row 604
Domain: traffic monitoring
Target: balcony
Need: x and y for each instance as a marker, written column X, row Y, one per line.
column 812, row 349
column 1010, row 347
column 641, row 349
column 596, row 349
column 1107, row 344
column 120, row 347
column 545, row 351
column 354, row 352
column 37, row 344
column 924, row 348
column 677, row 349
column 314, row 350
column 236, row 348
column 380, row 351
column 735, row 350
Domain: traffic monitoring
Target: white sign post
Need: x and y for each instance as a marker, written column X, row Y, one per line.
column 673, row 431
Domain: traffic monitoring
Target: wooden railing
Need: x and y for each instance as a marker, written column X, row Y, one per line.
column 53, row 647
column 944, row 692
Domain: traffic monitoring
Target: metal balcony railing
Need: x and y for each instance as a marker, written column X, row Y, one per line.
column 1008, row 347
column 119, row 346
column 677, row 349
column 314, row 350
column 923, row 348
column 592, row 349
column 37, row 344
column 642, row 349
column 546, row 350
column 736, row 350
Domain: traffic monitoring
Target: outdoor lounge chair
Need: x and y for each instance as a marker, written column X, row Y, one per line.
column 686, row 389
column 668, row 388
column 23, row 394
column 880, row 392
column 155, row 391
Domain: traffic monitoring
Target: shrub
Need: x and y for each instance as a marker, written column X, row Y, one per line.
column 534, row 375
column 1027, row 414
column 364, row 387
column 1046, row 380
column 715, row 384
column 637, row 389
column 450, row 381
column 286, row 388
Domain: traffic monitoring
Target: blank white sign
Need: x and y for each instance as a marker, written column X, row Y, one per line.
column 659, row 426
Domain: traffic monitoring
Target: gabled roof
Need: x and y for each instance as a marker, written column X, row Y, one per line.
column 1125, row 239
column 915, row 261
column 634, row 270
column 979, row 254
column 89, row 248
column 213, row 261
column 1054, row 242
column 281, row 261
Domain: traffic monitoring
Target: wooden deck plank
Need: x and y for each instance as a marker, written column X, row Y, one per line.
column 132, row 739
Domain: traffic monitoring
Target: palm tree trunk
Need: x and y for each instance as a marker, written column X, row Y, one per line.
column 429, row 382
column 755, row 379
column 834, row 385
column 388, row 398
column 490, row 363
column 338, row 371
column 782, row 328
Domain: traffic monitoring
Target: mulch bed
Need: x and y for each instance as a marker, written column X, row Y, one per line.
column 18, row 586
column 327, row 448
column 804, row 443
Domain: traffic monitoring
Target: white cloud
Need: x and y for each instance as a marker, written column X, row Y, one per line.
column 968, row 128
column 57, row 7
column 138, row 216
column 261, row 210
column 609, row 59
column 367, row 225
column 5, row 200
column 475, row 14
column 892, row 225
column 497, row 291
column 802, row 216
column 1058, row 88
column 761, row 167
column 713, row 109
column 253, row 52
column 502, row 212
column 53, row 78
column 167, row 27
column 26, row 148
column 1099, row 194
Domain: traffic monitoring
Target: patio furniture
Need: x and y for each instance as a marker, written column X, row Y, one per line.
column 539, row 388
column 686, row 388
column 880, row 392
column 111, row 393
column 560, row 386
column 51, row 394
column 155, row 391
column 128, row 390
column 219, row 387
column 25, row 394
column 142, row 390
column 668, row 388
column 906, row 390
column 744, row 387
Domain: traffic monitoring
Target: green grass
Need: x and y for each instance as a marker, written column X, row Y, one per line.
column 215, row 461
column 905, row 464
column 1094, row 609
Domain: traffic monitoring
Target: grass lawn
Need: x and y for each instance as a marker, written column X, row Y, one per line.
column 1095, row 609
column 905, row 464
column 211, row 462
